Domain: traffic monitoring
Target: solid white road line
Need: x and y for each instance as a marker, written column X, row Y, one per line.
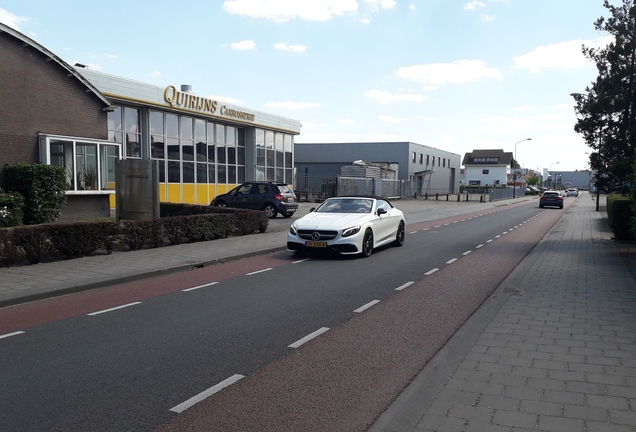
column 11, row 334
column 401, row 287
column 200, row 286
column 206, row 394
column 113, row 309
column 367, row 306
column 430, row 272
column 309, row 337
column 258, row 271
column 451, row 261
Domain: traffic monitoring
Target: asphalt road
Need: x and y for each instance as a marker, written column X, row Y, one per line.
column 82, row 366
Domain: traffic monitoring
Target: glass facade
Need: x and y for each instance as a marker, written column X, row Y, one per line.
column 274, row 158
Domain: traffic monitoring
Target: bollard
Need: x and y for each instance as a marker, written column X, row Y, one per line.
column 481, row 199
column 436, row 196
column 447, row 196
column 458, row 196
column 426, row 196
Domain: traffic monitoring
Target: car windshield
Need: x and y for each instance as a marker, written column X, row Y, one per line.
column 551, row 194
column 346, row 205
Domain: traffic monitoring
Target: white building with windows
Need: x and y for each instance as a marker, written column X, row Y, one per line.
column 486, row 167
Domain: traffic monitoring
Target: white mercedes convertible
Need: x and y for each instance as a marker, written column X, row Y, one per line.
column 348, row 225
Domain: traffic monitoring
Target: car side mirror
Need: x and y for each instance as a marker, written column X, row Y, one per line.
column 381, row 211
column 312, row 209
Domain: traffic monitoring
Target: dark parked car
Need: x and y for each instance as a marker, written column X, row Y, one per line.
column 271, row 197
column 551, row 198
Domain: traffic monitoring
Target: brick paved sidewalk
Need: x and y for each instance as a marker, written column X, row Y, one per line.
column 552, row 350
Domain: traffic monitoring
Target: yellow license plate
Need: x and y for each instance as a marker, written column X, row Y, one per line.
column 316, row 244
column 290, row 200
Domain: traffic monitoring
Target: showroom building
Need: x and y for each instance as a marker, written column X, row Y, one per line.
column 84, row 120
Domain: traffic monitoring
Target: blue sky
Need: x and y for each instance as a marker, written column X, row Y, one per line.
column 457, row 75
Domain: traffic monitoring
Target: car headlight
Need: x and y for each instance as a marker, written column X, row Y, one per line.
column 292, row 229
column 351, row 231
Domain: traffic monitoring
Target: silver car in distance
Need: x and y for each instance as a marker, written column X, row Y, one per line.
column 348, row 225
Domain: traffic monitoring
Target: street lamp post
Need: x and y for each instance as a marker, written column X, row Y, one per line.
column 551, row 176
column 514, row 174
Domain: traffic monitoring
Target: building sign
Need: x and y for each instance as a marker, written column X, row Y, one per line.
column 137, row 190
column 185, row 100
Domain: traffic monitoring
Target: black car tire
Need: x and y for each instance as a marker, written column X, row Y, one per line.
column 220, row 204
column 540, row 206
column 399, row 236
column 270, row 211
column 288, row 214
column 367, row 243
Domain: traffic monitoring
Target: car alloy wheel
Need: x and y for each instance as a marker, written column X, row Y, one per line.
column 399, row 237
column 270, row 211
column 367, row 243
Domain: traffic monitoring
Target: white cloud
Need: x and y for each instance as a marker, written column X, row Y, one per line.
column 225, row 99
column 110, row 56
column 10, row 20
column 292, row 48
column 384, row 4
column 390, row 119
column 474, row 5
column 307, row 125
column 524, row 108
column 412, row 7
column 345, row 121
column 384, row 97
column 458, row 72
column 563, row 55
column 284, row 10
column 155, row 74
column 488, row 17
column 243, row 45
column 292, row 106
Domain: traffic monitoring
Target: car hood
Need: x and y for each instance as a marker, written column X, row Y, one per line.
column 331, row 220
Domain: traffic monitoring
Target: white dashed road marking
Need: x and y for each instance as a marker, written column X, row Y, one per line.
column 430, row 272
column 367, row 306
column 199, row 287
column 113, row 309
column 309, row 337
column 206, row 394
column 258, row 271
column 401, row 287
column 11, row 334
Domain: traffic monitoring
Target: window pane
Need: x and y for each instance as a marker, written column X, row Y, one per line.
column 241, row 175
column 199, row 130
column 61, row 154
column 157, row 148
column 240, row 155
column 115, row 136
column 270, row 174
column 279, row 159
column 230, row 136
column 241, row 138
column 173, row 149
column 162, row 171
column 270, row 158
column 278, row 145
column 260, row 139
column 131, row 120
column 108, row 159
column 269, row 139
column 288, row 160
column 133, row 146
column 289, row 176
column 174, row 172
column 220, row 134
column 87, row 177
column 188, row 172
column 231, row 174
column 210, row 132
column 260, row 174
column 231, row 155
column 114, row 120
column 187, row 150
column 260, row 157
column 202, row 173
column 287, row 145
column 202, row 151
column 220, row 154
column 221, row 170
column 186, row 127
column 280, row 175
column 172, row 125
column 156, row 123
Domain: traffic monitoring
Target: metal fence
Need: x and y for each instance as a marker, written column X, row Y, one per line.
column 312, row 188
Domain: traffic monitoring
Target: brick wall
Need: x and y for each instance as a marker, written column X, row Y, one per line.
column 37, row 95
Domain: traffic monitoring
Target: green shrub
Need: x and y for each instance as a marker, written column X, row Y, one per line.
column 619, row 216
column 249, row 222
column 42, row 187
column 10, row 253
column 11, row 205
column 79, row 239
column 35, row 242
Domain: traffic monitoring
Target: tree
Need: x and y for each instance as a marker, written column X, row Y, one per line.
column 607, row 114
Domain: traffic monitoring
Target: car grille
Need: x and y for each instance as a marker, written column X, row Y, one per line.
column 324, row 235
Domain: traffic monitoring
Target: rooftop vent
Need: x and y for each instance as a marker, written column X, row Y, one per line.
column 186, row 88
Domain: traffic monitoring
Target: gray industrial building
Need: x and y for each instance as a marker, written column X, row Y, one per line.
column 424, row 169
